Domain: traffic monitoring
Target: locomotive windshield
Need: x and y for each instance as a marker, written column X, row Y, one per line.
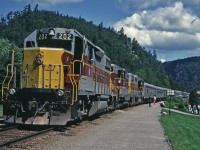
column 54, row 43
column 140, row 83
column 121, row 74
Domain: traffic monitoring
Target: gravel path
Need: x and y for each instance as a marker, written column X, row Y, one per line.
column 181, row 112
column 137, row 128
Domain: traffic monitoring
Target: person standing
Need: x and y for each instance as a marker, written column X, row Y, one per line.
column 149, row 101
column 154, row 100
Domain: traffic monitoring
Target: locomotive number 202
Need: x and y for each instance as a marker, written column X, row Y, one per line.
column 64, row 36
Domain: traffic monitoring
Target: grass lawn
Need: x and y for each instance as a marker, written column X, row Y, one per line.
column 183, row 131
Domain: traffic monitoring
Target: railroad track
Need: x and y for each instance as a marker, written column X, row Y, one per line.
column 5, row 128
column 12, row 136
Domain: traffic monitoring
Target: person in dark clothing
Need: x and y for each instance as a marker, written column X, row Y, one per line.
column 149, row 101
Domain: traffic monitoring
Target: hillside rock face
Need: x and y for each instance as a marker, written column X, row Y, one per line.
column 185, row 71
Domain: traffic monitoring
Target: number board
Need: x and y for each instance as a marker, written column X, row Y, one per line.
column 64, row 36
column 42, row 36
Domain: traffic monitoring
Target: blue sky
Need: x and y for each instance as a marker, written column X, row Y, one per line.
column 161, row 25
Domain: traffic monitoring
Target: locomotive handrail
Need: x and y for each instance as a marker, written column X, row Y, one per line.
column 70, row 77
column 12, row 67
column 73, row 82
column 72, row 103
column 50, row 67
column 8, row 84
column 11, row 76
column 15, row 77
column 59, row 73
column 76, row 87
column 2, row 89
column 42, row 75
column 26, row 76
column 20, row 84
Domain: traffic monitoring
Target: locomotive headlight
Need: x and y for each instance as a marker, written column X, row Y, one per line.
column 39, row 61
column 38, row 58
column 39, row 55
column 12, row 91
column 119, row 81
column 60, row 93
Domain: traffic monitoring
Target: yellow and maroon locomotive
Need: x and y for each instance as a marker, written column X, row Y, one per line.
column 63, row 76
column 129, row 87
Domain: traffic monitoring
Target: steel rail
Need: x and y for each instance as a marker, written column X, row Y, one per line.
column 8, row 128
column 9, row 143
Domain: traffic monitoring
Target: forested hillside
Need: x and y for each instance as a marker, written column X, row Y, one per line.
column 185, row 71
column 122, row 50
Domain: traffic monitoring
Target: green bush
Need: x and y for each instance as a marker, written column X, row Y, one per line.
column 177, row 103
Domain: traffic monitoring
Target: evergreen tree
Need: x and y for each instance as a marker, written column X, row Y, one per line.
column 154, row 54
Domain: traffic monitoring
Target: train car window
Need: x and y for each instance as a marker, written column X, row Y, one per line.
column 111, row 69
column 125, row 74
column 30, row 44
column 98, row 55
column 78, row 51
column 140, row 83
column 120, row 74
column 90, row 53
column 108, row 64
column 133, row 78
column 136, row 80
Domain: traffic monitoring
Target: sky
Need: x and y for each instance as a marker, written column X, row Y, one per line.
column 169, row 27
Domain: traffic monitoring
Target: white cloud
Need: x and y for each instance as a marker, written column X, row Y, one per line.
column 50, row 2
column 144, row 4
column 125, row 5
column 162, row 60
column 165, row 28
